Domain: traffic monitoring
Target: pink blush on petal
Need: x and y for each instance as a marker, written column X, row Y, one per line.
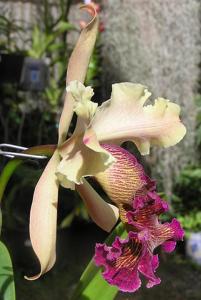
column 86, row 140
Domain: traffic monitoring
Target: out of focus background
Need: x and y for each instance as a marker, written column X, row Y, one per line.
column 153, row 42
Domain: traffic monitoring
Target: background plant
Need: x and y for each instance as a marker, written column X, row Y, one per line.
column 186, row 199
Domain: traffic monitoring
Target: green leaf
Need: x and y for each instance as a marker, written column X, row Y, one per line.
column 7, row 173
column 67, row 221
column 63, row 26
column 41, row 42
column 56, row 47
column 7, row 286
column 0, row 220
column 91, row 285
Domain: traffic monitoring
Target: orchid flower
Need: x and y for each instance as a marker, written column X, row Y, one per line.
column 93, row 150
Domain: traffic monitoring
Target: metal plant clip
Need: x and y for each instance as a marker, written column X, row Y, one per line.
column 11, row 151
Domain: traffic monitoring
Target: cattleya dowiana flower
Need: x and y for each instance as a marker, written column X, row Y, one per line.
column 93, row 150
column 122, row 177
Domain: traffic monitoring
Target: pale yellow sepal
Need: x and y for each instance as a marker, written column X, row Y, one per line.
column 77, row 67
column 43, row 217
column 124, row 118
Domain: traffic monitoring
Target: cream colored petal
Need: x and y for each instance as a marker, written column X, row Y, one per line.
column 43, row 217
column 64, row 181
column 105, row 215
column 80, row 161
column 77, row 68
column 83, row 106
column 125, row 118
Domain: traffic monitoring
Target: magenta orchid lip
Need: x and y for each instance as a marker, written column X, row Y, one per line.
column 126, row 259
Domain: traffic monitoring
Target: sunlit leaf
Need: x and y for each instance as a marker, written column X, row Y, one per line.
column 7, row 286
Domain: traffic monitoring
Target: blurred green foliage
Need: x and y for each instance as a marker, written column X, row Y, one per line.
column 191, row 222
column 10, row 32
column 186, row 199
column 44, row 43
column 187, row 191
column 198, row 129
